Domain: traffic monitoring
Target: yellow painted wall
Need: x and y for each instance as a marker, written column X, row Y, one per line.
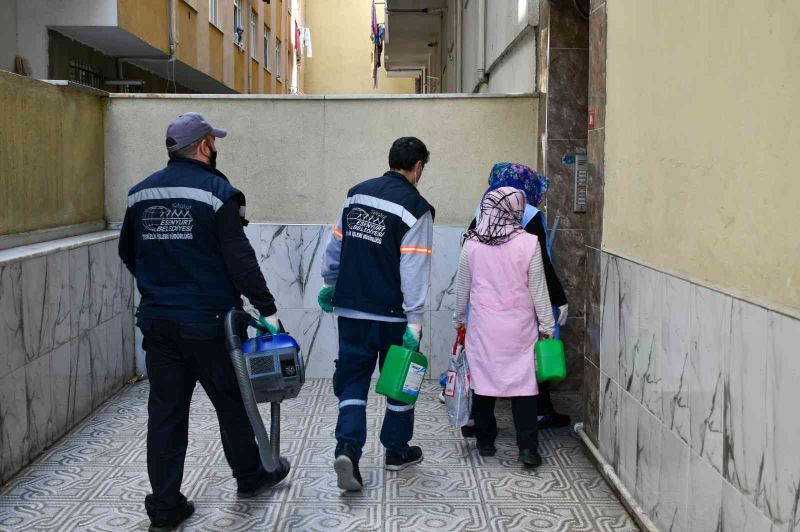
column 188, row 22
column 239, row 57
column 52, row 158
column 216, row 54
column 147, row 19
column 701, row 141
column 343, row 51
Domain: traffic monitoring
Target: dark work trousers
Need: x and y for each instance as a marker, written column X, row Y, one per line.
column 544, row 403
column 179, row 355
column 522, row 408
column 362, row 343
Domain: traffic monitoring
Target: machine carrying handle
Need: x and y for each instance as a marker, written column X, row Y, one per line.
column 269, row 453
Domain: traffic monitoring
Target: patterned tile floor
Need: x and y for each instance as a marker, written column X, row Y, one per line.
column 96, row 477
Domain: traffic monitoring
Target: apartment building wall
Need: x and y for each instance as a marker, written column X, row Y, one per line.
column 138, row 30
column 697, row 389
column 342, row 51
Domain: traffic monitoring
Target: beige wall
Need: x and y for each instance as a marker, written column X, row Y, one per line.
column 303, row 176
column 701, row 136
column 51, row 157
column 342, row 50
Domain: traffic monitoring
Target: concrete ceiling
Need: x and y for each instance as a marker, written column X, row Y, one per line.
column 114, row 41
column 410, row 32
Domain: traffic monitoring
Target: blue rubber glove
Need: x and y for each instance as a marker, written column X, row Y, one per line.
column 412, row 336
column 271, row 324
column 325, row 298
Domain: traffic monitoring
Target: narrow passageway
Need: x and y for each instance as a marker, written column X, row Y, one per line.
column 96, row 477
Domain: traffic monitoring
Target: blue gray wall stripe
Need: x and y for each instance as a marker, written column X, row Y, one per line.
column 176, row 193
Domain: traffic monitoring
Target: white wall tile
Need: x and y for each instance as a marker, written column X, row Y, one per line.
column 12, row 343
column 675, row 341
column 610, row 325
column 781, row 494
column 609, row 419
column 14, row 445
column 705, row 495
column 710, row 330
column 39, row 404
column 745, row 437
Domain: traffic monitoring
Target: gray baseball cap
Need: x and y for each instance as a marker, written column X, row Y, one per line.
column 188, row 128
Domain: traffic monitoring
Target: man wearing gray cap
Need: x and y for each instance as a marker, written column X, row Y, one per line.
column 183, row 240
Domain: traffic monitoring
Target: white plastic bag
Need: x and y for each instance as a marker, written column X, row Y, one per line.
column 457, row 392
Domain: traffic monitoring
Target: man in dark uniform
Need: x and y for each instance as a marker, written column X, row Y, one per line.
column 183, row 240
column 376, row 273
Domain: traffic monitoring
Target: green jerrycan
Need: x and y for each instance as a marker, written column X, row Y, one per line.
column 551, row 364
column 402, row 374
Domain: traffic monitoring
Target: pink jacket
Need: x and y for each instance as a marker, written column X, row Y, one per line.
column 503, row 326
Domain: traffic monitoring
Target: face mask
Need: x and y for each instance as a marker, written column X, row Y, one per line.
column 212, row 160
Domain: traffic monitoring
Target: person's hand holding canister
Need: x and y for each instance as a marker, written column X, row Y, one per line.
column 412, row 336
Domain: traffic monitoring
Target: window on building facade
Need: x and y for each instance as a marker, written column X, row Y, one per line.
column 213, row 12
column 278, row 51
column 253, row 34
column 237, row 22
column 266, row 47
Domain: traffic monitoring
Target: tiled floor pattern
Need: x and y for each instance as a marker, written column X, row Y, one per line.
column 96, row 477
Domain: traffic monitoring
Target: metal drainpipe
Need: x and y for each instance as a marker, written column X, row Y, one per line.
column 173, row 29
column 481, row 44
column 249, row 52
column 459, row 44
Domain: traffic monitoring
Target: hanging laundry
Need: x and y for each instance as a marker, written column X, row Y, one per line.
column 307, row 41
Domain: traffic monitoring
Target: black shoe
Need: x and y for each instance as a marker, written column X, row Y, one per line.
column 398, row 462
column 554, row 420
column 270, row 480
column 530, row 459
column 348, row 477
column 165, row 525
column 468, row 431
column 487, row 450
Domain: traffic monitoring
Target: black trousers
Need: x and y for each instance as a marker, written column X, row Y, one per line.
column 522, row 408
column 179, row 355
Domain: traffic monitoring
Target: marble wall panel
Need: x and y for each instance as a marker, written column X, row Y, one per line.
column 628, row 324
column 745, row 376
column 609, row 419
column 444, row 267
column 128, row 343
column 567, row 28
column 647, row 368
column 595, row 192
column 34, row 275
column 648, row 460
column 609, row 320
column 675, row 341
column 14, row 445
column 317, row 334
column 672, row 507
column 442, row 336
column 61, row 393
column 705, row 495
column 291, row 257
column 740, row 514
column 591, row 398
column 98, row 310
column 80, row 291
column 39, row 404
column 710, row 330
column 722, row 454
column 45, row 303
column 627, row 439
column 781, row 493
column 81, row 378
column 12, row 342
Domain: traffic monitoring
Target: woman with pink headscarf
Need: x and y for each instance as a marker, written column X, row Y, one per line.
column 501, row 278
